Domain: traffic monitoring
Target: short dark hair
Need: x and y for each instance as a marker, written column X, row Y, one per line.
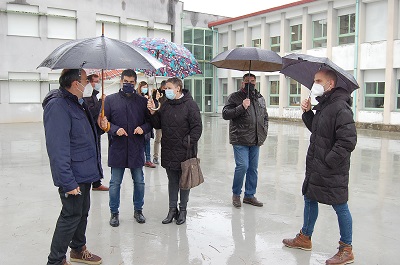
column 163, row 83
column 249, row 75
column 330, row 74
column 90, row 77
column 176, row 81
column 130, row 73
column 68, row 76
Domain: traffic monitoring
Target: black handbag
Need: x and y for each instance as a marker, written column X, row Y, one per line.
column 191, row 171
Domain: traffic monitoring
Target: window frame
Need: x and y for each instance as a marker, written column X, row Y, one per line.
column 275, row 95
column 324, row 34
column 299, row 33
column 349, row 33
column 375, row 95
column 277, row 46
column 256, row 43
column 290, row 95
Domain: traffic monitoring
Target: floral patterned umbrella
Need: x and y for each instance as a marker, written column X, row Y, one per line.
column 179, row 61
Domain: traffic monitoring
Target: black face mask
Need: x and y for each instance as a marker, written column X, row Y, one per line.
column 128, row 88
column 250, row 86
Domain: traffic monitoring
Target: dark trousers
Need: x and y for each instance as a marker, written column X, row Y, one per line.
column 71, row 224
column 173, row 190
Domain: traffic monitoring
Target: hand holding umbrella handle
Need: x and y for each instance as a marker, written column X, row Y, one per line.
column 152, row 107
column 306, row 105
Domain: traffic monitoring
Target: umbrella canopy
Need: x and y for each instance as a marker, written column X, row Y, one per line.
column 178, row 61
column 248, row 59
column 107, row 74
column 302, row 68
column 99, row 53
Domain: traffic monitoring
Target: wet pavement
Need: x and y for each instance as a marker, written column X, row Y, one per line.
column 215, row 232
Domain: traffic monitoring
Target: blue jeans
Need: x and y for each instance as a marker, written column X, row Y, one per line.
column 246, row 159
column 147, row 150
column 115, row 188
column 342, row 212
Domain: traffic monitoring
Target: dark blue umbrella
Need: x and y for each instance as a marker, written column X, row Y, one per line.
column 303, row 67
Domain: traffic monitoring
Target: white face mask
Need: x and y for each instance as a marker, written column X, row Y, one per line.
column 97, row 86
column 317, row 90
column 88, row 90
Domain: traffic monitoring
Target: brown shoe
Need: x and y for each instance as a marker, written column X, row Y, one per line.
column 236, row 201
column 301, row 241
column 101, row 188
column 84, row 256
column 65, row 262
column 253, row 201
column 344, row 255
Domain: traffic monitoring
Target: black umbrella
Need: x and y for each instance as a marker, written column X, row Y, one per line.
column 100, row 53
column 302, row 68
column 248, row 59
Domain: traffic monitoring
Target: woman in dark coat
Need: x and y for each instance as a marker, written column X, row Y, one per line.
column 178, row 117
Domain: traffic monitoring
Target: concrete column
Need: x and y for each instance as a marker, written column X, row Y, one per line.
column 306, row 44
column 246, row 34
column 265, row 35
column 359, row 74
column 231, row 45
column 390, row 74
column 283, row 81
column 331, row 20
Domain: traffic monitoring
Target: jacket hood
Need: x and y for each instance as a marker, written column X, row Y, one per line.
column 58, row 93
column 338, row 93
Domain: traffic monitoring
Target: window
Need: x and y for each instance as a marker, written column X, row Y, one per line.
column 276, row 43
column 374, row 95
column 23, row 20
column 274, row 93
column 294, row 93
column 111, row 26
column 256, row 43
column 347, row 29
column 24, row 87
column 224, row 92
column 319, row 33
column 295, row 37
column 239, row 45
column 225, row 48
column 398, row 94
column 61, row 19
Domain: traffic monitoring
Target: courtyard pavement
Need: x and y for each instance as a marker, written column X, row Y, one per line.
column 215, row 231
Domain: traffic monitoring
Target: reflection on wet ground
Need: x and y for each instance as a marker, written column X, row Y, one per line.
column 215, row 232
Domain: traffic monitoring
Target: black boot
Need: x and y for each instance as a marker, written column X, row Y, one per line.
column 182, row 216
column 172, row 213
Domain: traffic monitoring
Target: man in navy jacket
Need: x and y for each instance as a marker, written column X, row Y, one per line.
column 129, row 121
column 71, row 141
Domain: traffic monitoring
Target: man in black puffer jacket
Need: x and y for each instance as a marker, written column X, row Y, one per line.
column 248, row 129
column 333, row 138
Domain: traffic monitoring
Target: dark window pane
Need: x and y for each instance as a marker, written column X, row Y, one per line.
column 208, row 104
column 295, row 33
column 198, row 52
column 187, row 36
column 209, row 37
column 208, row 86
column 370, row 88
column 319, row 43
column 294, row 101
column 209, row 53
column 398, row 102
column 275, row 40
column 274, row 87
column 189, row 47
column 381, row 88
column 187, row 84
column 276, row 48
column 352, row 23
column 344, row 24
column 198, row 36
column 374, row 102
column 208, row 71
column 274, row 101
column 296, row 46
column 346, row 40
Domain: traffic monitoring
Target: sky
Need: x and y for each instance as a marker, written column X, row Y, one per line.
column 231, row 8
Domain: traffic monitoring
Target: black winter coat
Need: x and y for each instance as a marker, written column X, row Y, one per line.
column 178, row 119
column 249, row 126
column 333, row 138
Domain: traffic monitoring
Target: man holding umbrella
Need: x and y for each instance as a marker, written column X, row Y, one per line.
column 248, row 127
column 333, row 138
